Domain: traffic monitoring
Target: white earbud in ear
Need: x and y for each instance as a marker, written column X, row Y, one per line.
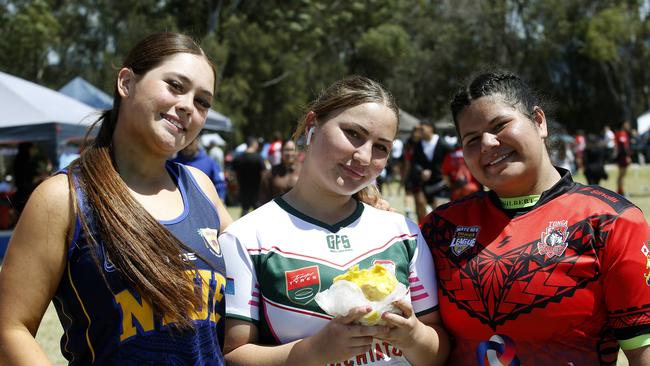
column 309, row 134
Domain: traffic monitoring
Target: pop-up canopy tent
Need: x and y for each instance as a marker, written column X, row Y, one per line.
column 31, row 112
column 83, row 91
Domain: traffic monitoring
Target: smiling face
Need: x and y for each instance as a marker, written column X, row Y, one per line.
column 503, row 148
column 165, row 109
column 350, row 149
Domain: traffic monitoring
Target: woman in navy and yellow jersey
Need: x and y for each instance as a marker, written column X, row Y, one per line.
column 124, row 242
column 539, row 270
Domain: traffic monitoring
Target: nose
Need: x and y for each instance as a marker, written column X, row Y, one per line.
column 488, row 141
column 186, row 104
column 363, row 153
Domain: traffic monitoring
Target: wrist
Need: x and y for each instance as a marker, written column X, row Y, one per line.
column 306, row 352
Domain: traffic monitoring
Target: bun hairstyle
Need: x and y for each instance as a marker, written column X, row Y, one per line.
column 508, row 86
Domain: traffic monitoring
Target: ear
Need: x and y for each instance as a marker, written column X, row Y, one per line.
column 310, row 120
column 125, row 82
column 540, row 121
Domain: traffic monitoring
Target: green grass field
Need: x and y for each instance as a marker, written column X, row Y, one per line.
column 637, row 188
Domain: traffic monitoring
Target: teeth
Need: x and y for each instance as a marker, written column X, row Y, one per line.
column 499, row 159
column 178, row 125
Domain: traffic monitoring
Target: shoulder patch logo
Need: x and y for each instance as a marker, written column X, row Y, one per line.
column 302, row 284
column 645, row 249
column 553, row 242
column 210, row 240
column 464, row 238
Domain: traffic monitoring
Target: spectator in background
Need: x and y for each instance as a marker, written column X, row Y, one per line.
column 562, row 156
column 609, row 138
column 409, row 181
column 425, row 172
column 69, row 153
column 281, row 177
column 30, row 169
column 274, row 151
column 579, row 149
column 594, row 159
column 623, row 155
column 248, row 167
column 194, row 155
column 460, row 180
column 216, row 153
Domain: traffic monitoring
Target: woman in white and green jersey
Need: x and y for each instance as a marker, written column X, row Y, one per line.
column 284, row 253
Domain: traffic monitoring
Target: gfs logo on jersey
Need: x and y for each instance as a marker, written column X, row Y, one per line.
column 553, row 242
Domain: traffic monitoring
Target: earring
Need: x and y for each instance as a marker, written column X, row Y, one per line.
column 309, row 134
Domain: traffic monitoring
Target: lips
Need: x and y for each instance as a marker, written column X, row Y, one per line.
column 357, row 174
column 173, row 121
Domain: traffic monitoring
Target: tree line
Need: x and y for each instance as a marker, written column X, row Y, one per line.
column 590, row 57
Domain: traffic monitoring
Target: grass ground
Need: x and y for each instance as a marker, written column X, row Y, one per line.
column 637, row 188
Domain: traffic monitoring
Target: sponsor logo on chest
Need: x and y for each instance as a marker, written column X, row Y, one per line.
column 302, row 284
column 464, row 238
column 553, row 242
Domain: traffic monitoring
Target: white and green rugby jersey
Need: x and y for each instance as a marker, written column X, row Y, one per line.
column 278, row 259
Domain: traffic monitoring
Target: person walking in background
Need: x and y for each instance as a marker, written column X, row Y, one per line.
column 248, row 167
column 539, row 270
column 125, row 242
column 425, row 170
column 609, row 138
column 594, row 159
column 623, row 155
column 281, row 177
column 296, row 244
column 194, row 155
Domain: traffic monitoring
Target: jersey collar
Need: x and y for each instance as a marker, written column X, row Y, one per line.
column 562, row 186
column 332, row 228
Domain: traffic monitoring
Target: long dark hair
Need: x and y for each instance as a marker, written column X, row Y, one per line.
column 146, row 254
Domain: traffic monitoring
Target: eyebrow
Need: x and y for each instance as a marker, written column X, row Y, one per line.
column 368, row 133
column 490, row 124
column 187, row 80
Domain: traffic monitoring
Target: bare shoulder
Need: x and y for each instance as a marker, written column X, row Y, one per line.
column 52, row 196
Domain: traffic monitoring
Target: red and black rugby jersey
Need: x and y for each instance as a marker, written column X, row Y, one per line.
column 559, row 284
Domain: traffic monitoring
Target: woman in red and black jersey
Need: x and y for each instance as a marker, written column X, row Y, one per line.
column 539, row 270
